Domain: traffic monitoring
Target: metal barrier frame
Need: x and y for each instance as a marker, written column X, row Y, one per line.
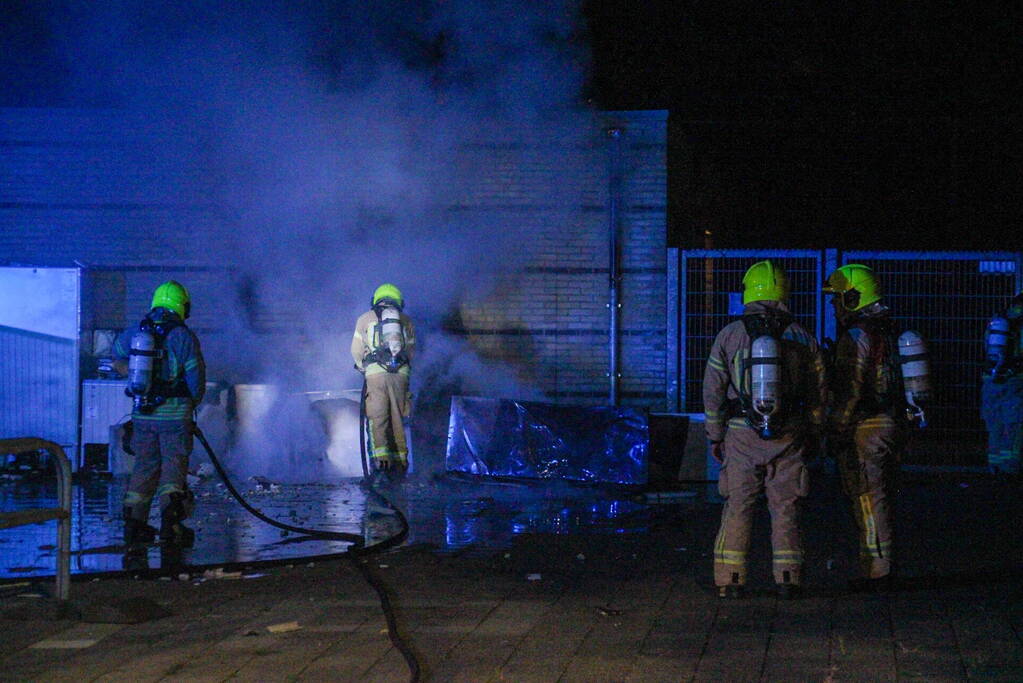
column 34, row 516
column 828, row 260
column 677, row 293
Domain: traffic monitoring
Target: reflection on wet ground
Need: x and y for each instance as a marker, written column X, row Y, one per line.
column 448, row 515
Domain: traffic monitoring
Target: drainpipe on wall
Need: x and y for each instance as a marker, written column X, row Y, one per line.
column 614, row 197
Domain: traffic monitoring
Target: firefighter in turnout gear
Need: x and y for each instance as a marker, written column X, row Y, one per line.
column 167, row 378
column 867, row 417
column 763, row 394
column 1002, row 389
column 382, row 349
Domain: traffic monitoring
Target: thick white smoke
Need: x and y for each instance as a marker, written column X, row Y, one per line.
column 326, row 136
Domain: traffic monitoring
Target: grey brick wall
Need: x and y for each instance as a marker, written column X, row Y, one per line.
column 73, row 189
column 551, row 319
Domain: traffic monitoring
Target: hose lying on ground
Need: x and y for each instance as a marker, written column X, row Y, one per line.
column 356, row 553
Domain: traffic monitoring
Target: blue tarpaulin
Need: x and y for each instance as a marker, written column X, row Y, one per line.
column 505, row 438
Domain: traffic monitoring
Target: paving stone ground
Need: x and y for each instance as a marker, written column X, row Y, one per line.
column 630, row 606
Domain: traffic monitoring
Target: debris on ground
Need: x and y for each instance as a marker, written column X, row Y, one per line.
column 219, row 573
column 264, row 485
column 285, row 627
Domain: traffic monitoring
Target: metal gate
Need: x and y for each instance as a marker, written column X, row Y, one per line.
column 946, row 296
column 709, row 294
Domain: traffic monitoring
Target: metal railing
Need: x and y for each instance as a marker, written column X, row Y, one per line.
column 37, row 515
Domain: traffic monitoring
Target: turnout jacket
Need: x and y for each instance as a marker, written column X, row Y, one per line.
column 863, row 384
column 802, row 385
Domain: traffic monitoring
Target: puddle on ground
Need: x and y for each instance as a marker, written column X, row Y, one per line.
column 447, row 515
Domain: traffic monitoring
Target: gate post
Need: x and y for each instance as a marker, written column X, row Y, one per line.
column 826, row 312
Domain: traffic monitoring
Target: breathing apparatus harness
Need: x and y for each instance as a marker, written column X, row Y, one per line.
column 762, row 402
column 388, row 340
column 145, row 365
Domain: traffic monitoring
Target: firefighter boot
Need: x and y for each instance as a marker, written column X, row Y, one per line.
column 786, row 590
column 136, row 561
column 733, row 590
column 172, row 531
column 136, row 531
column 789, row 591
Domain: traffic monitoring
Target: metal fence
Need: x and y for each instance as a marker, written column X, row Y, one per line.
column 709, row 294
column 946, row 296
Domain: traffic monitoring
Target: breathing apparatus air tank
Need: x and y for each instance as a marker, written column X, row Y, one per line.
column 391, row 336
column 916, row 374
column 996, row 339
column 765, row 381
column 141, row 364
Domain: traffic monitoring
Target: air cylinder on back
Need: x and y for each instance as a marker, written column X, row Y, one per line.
column 997, row 342
column 765, row 381
column 390, row 330
column 916, row 372
column 141, row 360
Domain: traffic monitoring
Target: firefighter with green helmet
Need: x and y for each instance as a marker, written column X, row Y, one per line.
column 763, row 395
column 382, row 348
column 166, row 379
column 866, row 422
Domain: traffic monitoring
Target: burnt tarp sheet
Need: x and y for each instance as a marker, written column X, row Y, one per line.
column 505, row 438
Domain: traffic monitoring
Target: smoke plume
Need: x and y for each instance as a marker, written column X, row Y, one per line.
column 324, row 138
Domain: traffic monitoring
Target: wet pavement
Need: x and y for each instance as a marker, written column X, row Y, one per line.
column 449, row 515
column 547, row 583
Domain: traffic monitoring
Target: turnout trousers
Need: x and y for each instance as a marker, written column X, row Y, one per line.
column 387, row 402
column 868, row 464
column 1002, row 410
column 753, row 465
column 161, row 450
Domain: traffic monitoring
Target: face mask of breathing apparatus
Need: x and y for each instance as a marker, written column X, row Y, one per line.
column 765, row 378
column 916, row 375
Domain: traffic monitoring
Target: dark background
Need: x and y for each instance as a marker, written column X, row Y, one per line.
column 812, row 124
column 793, row 124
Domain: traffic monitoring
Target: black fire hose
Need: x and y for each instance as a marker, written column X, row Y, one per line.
column 356, row 553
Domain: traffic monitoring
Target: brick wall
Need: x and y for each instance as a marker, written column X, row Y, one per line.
column 73, row 188
column 551, row 320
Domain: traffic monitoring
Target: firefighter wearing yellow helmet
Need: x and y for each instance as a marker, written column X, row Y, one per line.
column 382, row 348
column 167, row 379
column 763, row 396
column 866, row 422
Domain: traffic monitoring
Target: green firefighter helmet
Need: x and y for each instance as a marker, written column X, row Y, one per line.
column 388, row 292
column 173, row 296
column 857, row 286
column 765, row 281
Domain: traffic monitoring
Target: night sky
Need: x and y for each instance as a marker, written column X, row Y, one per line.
column 799, row 124
column 809, row 124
